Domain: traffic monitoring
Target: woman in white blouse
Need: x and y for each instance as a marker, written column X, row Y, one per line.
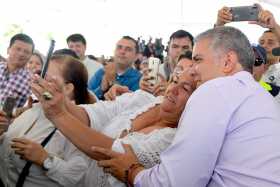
column 59, row 163
column 146, row 122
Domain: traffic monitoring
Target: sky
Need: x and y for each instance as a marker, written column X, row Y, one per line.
column 103, row 22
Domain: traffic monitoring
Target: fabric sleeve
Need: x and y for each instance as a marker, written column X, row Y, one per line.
column 95, row 83
column 69, row 170
column 102, row 112
column 146, row 147
column 191, row 158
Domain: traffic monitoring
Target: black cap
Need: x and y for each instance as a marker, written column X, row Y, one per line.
column 276, row 51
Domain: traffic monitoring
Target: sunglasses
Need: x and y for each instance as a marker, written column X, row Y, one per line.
column 258, row 61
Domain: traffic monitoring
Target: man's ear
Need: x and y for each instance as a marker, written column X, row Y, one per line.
column 230, row 62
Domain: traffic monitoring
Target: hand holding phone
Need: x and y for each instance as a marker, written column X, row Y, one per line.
column 153, row 70
column 245, row 13
column 46, row 64
column 8, row 107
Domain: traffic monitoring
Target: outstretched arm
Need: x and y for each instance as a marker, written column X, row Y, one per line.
column 72, row 127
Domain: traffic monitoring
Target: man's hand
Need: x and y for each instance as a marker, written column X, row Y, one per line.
column 109, row 76
column 29, row 150
column 115, row 91
column 224, row 16
column 266, row 20
column 118, row 163
column 161, row 86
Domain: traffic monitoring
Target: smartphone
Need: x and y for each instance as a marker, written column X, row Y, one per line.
column 153, row 64
column 9, row 105
column 46, row 64
column 245, row 13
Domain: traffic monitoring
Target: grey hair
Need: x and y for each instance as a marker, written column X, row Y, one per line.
column 225, row 39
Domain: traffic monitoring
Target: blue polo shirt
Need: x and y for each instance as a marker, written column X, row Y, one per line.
column 129, row 78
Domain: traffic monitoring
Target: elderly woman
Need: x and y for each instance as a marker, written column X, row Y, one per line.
column 59, row 163
column 145, row 122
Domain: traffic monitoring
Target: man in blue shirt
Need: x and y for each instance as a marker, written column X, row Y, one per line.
column 120, row 71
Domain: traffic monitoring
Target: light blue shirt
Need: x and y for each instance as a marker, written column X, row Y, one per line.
column 228, row 136
column 129, row 78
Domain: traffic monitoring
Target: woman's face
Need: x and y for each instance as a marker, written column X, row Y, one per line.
column 55, row 69
column 177, row 94
column 34, row 64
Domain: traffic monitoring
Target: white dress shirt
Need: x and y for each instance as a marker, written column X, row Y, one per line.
column 69, row 164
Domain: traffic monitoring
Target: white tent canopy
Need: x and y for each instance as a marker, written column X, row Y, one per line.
column 102, row 22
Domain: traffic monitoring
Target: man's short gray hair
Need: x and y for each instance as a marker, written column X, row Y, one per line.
column 225, row 39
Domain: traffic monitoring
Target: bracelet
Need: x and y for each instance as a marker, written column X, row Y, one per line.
column 129, row 173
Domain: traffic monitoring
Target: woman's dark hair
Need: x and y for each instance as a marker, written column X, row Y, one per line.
column 187, row 55
column 37, row 54
column 76, row 73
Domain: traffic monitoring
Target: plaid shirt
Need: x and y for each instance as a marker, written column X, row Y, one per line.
column 14, row 84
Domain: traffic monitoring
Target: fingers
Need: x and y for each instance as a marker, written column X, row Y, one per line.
column 4, row 122
column 105, row 163
column 109, row 96
column 266, row 19
column 145, row 71
column 161, row 78
column 159, row 90
column 51, row 84
column 21, row 140
column 128, row 148
column 145, row 84
column 224, row 16
column 3, row 118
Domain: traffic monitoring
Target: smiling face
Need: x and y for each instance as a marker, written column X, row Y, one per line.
column 269, row 41
column 19, row 53
column 176, row 96
column 34, row 64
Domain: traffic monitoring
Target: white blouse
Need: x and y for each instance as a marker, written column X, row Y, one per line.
column 112, row 118
column 69, row 163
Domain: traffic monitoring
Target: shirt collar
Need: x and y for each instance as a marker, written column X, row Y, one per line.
column 130, row 72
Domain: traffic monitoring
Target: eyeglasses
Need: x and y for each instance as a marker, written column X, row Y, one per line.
column 258, row 61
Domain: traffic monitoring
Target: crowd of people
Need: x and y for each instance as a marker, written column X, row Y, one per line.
column 209, row 117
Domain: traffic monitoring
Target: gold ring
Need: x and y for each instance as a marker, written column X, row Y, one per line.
column 47, row 95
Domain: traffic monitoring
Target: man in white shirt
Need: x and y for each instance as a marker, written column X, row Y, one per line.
column 77, row 43
column 229, row 133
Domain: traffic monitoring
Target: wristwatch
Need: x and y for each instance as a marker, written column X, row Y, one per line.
column 48, row 163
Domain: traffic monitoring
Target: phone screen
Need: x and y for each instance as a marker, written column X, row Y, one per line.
column 154, row 64
column 9, row 106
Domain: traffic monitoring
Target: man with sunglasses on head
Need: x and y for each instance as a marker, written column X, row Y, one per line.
column 258, row 70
